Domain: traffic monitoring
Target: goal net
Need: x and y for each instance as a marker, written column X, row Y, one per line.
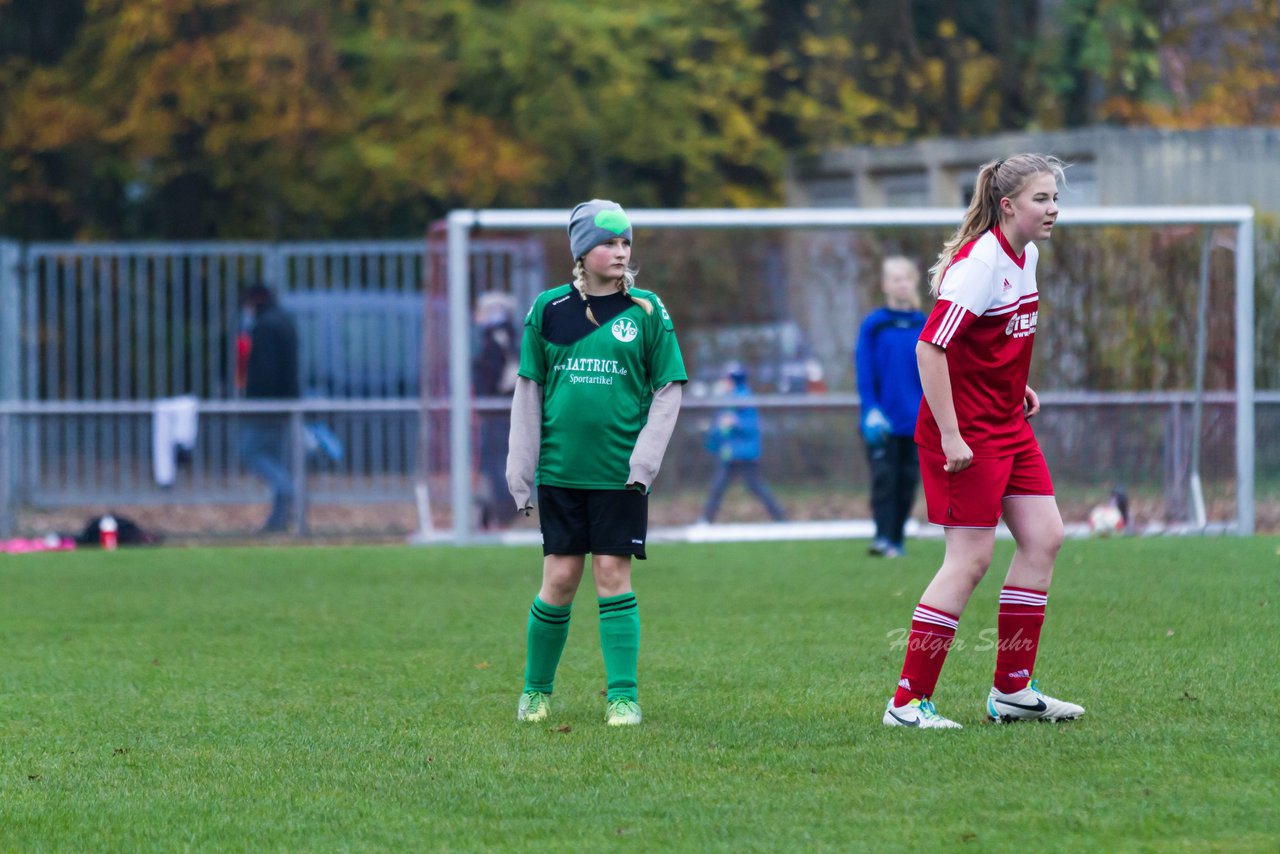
column 1144, row 358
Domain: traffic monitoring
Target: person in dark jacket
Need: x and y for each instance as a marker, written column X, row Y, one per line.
column 267, row 369
column 734, row 438
column 493, row 374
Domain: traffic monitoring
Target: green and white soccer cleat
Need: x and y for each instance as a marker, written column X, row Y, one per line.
column 534, row 706
column 917, row 713
column 622, row 712
column 1029, row 704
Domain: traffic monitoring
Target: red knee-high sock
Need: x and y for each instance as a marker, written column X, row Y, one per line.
column 1018, row 627
column 932, row 632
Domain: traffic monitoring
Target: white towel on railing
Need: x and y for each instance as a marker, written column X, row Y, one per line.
column 173, row 426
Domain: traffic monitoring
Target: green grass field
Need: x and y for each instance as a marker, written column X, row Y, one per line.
column 314, row 699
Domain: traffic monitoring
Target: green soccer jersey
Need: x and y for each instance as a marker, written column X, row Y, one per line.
column 596, row 391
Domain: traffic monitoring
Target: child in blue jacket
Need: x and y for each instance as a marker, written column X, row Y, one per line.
column 734, row 438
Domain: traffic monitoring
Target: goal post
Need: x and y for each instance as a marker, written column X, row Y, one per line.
column 462, row 224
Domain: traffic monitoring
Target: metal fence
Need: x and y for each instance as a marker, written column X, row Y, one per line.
column 110, row 453
column 145, row 321
column 813, row 456
column 1094, row 442
column 94, row 336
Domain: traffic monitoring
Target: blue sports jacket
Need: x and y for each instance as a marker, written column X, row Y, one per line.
column 740, row 441
column 885, row 363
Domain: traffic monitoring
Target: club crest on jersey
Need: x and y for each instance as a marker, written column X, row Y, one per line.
column 625, row 329
column 1022, row 325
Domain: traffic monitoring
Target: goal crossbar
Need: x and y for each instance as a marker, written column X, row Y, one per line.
column 461, row 223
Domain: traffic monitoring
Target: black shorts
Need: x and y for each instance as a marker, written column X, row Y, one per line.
column 593, row 521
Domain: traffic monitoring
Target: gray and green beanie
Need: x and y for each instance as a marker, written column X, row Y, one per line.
column 595, row 222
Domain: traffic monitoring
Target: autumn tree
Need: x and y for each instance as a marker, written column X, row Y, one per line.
column 324, row 118
column 1220, row 65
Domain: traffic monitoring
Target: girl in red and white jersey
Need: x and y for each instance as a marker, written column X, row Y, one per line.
column 979, row 459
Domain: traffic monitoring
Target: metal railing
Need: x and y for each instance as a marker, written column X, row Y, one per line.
column 103, row 451
column 70, row 453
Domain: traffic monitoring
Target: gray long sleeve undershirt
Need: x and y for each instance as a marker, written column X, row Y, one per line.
column 526, row 438
column 651, row 444
column 524, row 441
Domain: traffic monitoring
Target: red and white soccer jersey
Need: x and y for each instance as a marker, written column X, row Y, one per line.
column 985, row 319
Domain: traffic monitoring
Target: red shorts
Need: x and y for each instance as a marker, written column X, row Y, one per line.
column 972, row 498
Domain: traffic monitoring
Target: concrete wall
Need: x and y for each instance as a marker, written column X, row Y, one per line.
column 1110, row 166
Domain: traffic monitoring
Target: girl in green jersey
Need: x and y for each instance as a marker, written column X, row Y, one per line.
column 596, row 399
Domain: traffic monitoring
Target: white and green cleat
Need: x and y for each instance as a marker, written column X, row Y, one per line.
column 534, row 706
column 917, row 713
column 1029, row 704
column 622, row 712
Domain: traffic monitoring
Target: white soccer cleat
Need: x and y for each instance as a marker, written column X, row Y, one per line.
column 1029, row 704
column 917, row 713
column 622, row 712
column 534, row 706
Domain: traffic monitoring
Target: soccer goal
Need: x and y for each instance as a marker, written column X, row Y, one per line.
column 1144, row 355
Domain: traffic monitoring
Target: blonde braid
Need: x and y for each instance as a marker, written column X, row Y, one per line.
column 580, row 285
column 628, row 282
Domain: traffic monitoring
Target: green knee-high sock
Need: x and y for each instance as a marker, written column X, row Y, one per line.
column 548, row 630
column 620, row 642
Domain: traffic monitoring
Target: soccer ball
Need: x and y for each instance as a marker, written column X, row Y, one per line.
column 1105, row 520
